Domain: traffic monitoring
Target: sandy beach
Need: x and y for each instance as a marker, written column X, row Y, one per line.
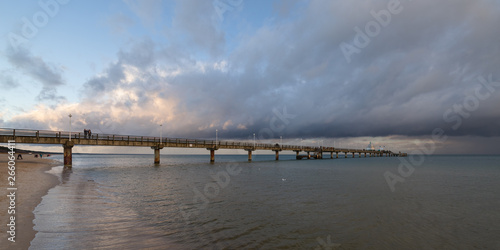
column 32, row 184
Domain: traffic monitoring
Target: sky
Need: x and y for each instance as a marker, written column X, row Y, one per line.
column 407, row 75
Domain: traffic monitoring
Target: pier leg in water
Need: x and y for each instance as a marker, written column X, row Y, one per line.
column 345, row 154
column 68, row 154
column 297, row 154
column 331, row 155
column 157, row 153
column 337, row 153
column 249, row 155
column 352, row 154
column 157, row 156
column 308, row 155
column 277, row 155
column 212, row 154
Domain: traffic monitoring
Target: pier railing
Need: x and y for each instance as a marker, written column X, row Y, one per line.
column 68, row 140
column 133, row 138
column 182, row 142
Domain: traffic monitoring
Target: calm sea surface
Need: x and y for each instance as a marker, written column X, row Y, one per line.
column 125, row 202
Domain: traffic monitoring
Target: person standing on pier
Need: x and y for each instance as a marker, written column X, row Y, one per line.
column 85, row 132
column 89, row 133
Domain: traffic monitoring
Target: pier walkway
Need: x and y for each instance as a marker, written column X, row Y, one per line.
column 63, row 138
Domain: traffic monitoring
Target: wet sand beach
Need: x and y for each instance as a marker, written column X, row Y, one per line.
column 32, row 184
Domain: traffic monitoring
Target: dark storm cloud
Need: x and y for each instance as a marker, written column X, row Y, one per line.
column 424, row 62
column 196, row 20
column 100, row 85
column 35, row 67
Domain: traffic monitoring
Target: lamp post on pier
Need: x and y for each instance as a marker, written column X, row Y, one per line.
column 161, row 132
column 254, row 140
column 70, row 126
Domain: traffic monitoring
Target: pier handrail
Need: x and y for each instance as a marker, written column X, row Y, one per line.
column 30, row 136
column 171, row 140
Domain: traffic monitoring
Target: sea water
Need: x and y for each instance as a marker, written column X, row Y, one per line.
column 126, row 202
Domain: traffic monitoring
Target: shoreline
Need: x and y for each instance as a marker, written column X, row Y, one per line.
column 32, row 184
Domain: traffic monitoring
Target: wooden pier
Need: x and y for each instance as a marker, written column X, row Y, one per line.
column 156, row 143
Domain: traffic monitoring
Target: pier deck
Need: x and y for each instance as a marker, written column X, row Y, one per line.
column 63, row 138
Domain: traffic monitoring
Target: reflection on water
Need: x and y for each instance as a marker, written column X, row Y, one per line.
column 66, row 172
column 185, row 203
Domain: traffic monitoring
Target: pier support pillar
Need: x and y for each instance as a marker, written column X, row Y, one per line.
column 68, row 154
column 157, row 152
column 359, row 154
column 212, row 155
column 319, row 155
column 345, row 154
column 308, row 155
column 365, row 155
column 249, row 155
column 157, row 156
column 331, row 155
column 277, row 155
column 297, row 154
column 337, row 153
column 352, row 154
